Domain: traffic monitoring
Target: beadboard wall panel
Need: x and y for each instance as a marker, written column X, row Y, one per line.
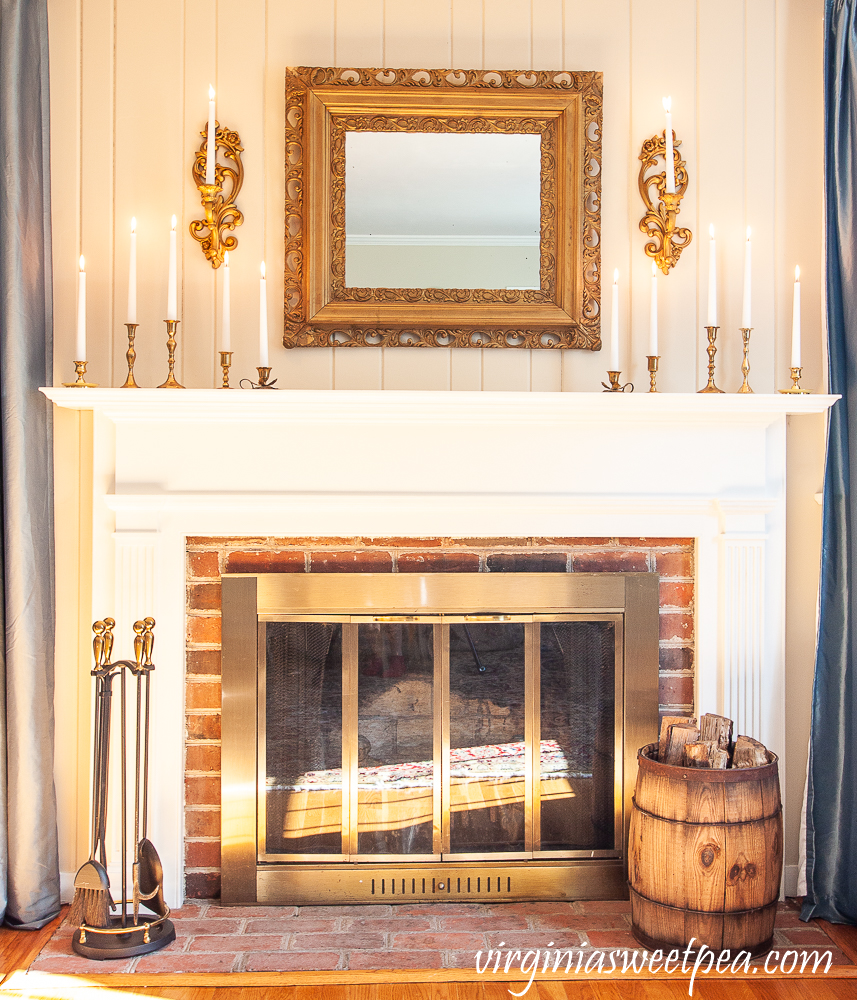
column 129, row 93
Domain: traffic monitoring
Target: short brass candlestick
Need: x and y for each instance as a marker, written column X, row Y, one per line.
column 712, row 350
column 171, row 382
column 795, row 388
column 745, row 363
column 653, row 360
column 614, row 384
column 226, row 364
column 131, row 357
column 81, row 383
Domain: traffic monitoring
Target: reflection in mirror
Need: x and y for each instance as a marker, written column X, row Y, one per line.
column 442, row 210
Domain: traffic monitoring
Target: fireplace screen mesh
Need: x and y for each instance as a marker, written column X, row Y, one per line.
column 385, row 740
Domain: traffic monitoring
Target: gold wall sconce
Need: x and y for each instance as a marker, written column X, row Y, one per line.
column 667, row 240
column 221, row 212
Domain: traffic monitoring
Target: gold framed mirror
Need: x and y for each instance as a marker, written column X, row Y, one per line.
column 442, row 208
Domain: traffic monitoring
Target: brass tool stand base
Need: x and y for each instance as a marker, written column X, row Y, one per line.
column 712, row 350
column 117, row 941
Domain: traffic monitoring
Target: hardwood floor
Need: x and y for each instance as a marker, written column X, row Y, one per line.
column 19, row 948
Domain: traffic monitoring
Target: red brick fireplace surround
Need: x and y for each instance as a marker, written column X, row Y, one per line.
column 207, row 558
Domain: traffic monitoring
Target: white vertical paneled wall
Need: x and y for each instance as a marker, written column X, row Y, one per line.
column 129, row 86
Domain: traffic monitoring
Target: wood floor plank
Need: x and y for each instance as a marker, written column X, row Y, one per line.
column 844, row 936
column 18, row 949
column 406, row 991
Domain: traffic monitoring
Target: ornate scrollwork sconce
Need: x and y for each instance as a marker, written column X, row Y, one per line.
column 221, row 212
column 667, row 240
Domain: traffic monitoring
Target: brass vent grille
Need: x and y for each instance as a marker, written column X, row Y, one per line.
column 437, row 885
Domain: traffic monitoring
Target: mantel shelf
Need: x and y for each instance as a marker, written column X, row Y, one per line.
column 303, row 405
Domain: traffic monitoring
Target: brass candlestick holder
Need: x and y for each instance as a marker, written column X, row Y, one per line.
column 712, row 350
column 171, row 383
column 653, row 360
column 225, row 364
column 221, row 212
column 795, row 388
column 263, row 383
column 745, row 363
column 81, row 383
column 131, row 357
column 614, row 384
column 659, row 222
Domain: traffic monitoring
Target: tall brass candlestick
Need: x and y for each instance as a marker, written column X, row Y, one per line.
column 745, row 363
column 171, row 382
column 712, row 350
column 131, row 357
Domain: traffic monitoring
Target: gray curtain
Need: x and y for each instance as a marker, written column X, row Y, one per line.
column 831, row 809
column 29, row 869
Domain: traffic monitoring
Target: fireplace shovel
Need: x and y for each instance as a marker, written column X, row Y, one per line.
column 92, row 902
column 148, row 872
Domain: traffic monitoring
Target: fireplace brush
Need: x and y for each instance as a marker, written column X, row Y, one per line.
column 102, row 934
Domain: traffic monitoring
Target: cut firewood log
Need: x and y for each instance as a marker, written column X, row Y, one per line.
column 749, row 753
column 698, row 754
column 719, row 759
column 717, row 728
column 680, row 735
column 666, row 722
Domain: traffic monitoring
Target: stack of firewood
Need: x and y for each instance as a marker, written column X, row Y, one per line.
column 684, row 743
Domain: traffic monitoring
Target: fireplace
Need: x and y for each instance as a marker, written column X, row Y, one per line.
column 391, row 737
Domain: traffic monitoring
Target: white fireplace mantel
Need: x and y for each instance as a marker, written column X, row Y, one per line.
column 168, row 464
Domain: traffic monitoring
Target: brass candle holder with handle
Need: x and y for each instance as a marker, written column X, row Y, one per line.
column 615, row 385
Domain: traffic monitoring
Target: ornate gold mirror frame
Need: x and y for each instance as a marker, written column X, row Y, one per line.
column 322, row 104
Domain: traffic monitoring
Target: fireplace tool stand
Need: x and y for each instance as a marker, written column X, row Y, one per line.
column 102, row 934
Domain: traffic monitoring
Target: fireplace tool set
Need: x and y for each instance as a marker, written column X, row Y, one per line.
column 108, row 929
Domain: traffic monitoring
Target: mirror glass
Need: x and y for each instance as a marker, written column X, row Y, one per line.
column 442, row 210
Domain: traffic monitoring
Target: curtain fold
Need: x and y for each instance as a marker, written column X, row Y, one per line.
column 29, row 869
column 831, row 841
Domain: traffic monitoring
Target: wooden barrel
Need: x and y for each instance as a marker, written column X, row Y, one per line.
column 705, row 855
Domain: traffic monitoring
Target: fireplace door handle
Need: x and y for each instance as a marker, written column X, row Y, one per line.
column 487, row 618
column 396, row 618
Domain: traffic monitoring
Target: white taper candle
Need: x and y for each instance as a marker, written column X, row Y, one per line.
column 263, row 320
column 614, row 326
column 171, row 277
column 653, row 314
column 712, row 278
column 211, row 143
column 796, row 322
column 80, row 340
column 668, row 135
column 745, row 309
column 132, row 275
column 226, row 337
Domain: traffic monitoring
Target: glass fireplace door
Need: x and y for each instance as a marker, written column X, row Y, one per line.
column 440, row 738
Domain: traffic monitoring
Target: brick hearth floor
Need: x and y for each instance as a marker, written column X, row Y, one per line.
column 214, row 938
